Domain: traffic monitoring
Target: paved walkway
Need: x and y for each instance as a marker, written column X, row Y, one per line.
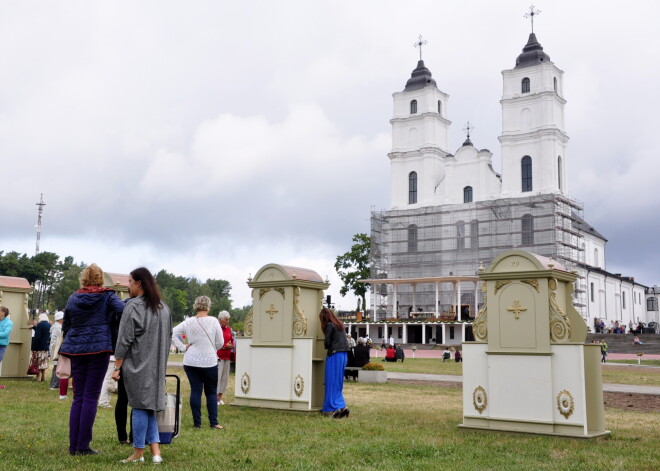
column 438, row 354
column 607, row 387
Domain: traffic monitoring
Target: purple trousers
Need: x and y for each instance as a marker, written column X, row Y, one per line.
column 88, row 372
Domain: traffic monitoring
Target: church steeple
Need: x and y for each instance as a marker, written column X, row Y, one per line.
column 420, row 131
column 420, row 78
column 532, row 54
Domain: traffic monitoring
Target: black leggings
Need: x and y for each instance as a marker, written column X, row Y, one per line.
column 121, row 409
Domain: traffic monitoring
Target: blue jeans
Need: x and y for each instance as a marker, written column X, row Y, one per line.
column 2, row 352
column 206, row 379
column 145, row 428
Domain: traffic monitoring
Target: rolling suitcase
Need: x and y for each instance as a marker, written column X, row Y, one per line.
column 169, row 419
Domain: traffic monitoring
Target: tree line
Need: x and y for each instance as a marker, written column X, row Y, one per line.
column 54, row 279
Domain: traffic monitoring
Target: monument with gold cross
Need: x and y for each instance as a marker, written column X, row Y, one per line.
column 529, row 369
column 280, row 358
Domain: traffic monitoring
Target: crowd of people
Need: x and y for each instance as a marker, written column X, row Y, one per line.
column 100, row 342
column 616, row 327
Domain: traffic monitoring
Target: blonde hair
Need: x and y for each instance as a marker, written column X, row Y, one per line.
column 92, row 276
column 202, row 303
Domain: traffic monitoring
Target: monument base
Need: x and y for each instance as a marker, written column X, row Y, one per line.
column 555, row 393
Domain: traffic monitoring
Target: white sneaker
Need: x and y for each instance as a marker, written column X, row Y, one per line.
column 105, row 406
column 63, row 397
column 221, row 403
column 157, row 459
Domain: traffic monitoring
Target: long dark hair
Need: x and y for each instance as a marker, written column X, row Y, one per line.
column 149, row 287
column 326, row 316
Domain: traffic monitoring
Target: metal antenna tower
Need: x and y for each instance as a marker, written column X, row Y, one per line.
column 41, row 205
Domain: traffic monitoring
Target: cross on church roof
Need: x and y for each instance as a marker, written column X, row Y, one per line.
column 420, row 42
column 532, row 13
column 468, row 128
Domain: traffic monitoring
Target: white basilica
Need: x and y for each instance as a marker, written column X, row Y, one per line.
column 451, row 213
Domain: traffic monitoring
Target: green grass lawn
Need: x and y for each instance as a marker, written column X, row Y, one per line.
column 391, row 427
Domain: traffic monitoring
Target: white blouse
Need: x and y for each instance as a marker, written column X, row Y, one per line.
column 200, row 332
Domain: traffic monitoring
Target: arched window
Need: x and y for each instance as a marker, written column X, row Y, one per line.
column 591, row 288
column 413, row 107
column 596, row 264
column 412, row 188
column 559, row 172
column 412, row 238
column 527, row 230
column 526, row 173
column 467, row 194
column 555, row 84
column 474, row 234
column 623, row 299
column 525, row 85
column 460, row 235
column 439, row 107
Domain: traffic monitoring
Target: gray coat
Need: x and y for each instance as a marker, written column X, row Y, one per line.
column 144, row 344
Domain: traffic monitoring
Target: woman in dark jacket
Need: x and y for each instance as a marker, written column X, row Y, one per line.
column 88, row 324
column 40, row 345
column 336, row 344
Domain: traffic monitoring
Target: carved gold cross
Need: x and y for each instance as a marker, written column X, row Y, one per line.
column 516, row 309
column 271, row 311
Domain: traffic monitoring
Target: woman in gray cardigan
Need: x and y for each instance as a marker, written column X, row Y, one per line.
column 143, row 345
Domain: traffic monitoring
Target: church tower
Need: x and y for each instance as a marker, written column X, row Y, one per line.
column 419, row 140
column 533, row 134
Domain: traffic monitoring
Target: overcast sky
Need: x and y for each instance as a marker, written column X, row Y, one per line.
column 210, row 138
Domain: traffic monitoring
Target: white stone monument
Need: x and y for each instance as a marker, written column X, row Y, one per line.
column 280, row 359
column 529, row 369
column 14, row 296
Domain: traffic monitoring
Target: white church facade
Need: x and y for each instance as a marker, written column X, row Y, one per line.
column 451, row 213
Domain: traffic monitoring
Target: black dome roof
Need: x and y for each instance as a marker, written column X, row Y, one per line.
column 420, row 78
column 532, row 54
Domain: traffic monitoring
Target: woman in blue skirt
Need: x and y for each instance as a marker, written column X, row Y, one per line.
column 336, row 344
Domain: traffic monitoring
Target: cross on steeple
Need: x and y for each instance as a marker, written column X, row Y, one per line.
column 532, row 13
column 420, row 42
column 468, row 128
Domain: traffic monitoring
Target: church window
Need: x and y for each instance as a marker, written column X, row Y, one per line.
column 467, row 194
column 652, row 304
column 623, row 299
column 460, row 235
column 527, row 229
column 439, row 107
column 413, row 107
column 525, row 85
column 412, row 238
column 474, row 234
column 412, row 188
column 526, row 172
column 559, row 172
column 591, row 289
column 555, row 83
column 596, row 264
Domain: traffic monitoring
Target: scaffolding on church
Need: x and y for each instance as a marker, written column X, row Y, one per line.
column 457, row 239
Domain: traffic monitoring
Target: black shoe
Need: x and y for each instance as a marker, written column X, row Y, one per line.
column 89, row 451
column 344, row 412
column 72, row 452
